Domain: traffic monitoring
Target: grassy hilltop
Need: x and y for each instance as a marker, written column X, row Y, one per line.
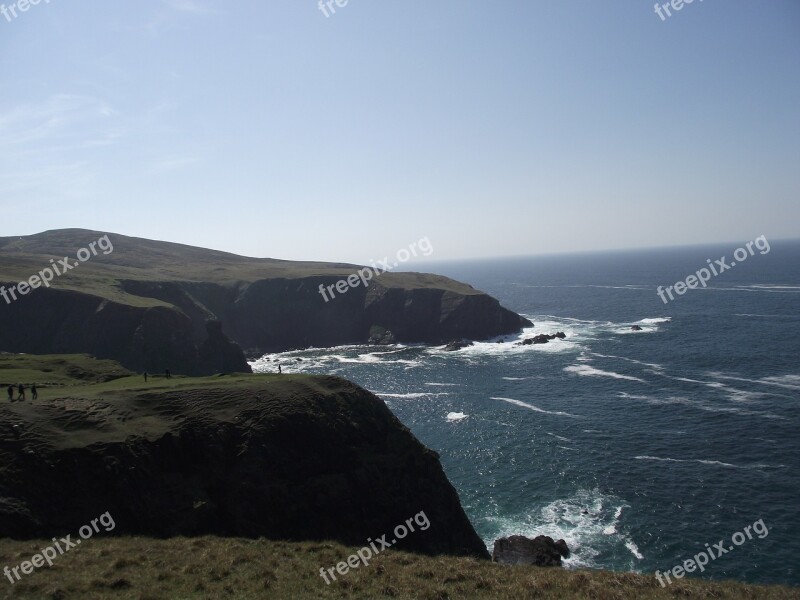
column 137, row 259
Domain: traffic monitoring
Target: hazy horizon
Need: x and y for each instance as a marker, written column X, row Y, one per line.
column 433, row 259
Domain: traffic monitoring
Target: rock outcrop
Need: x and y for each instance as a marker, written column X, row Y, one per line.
column 543, row 338
column 540, row 551
column 284, row 457
column 457, row 345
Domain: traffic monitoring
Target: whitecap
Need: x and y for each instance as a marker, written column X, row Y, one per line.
column 630, row 545
column 713, row 463
column 456, row 416
column 411, row 394
column 588, row 371
column 535, row 408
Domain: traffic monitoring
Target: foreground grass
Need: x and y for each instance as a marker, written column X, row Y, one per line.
column 143, row 568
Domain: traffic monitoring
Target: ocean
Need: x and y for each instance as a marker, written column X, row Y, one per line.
column 640, row 448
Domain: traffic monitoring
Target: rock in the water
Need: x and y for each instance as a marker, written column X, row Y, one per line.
column 540, row 551
column 457, row 345
column 636, row 328
column 542, row 338
column 380, row 336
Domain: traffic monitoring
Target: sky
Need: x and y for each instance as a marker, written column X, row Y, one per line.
column 266, row 128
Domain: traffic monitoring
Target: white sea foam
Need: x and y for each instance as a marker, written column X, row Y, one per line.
column 700, row 405
column 535, row 408
column 559, row 437
column 583, row 520
column 589, row 371
column 456, row 416
column 791, row 382
column 411, row 395
column 655, row 366
column 630, row 545
column 714, row 463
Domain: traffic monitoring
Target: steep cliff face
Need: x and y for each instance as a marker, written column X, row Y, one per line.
column 291, row 457
column 281, row 314
column 141, row 338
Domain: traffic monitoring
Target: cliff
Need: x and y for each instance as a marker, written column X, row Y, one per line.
column 283, row 457
column 148, row 304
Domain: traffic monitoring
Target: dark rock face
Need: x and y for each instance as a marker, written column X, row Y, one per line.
column 542, row 338
column 298, row 458
column 636, row 328
column 540, row 551
column 276, row 315
column 378, row 336
column 140, row 338
column 218, row 354
column 457, row 345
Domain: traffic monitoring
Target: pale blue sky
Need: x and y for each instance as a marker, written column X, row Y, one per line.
column 493, row 128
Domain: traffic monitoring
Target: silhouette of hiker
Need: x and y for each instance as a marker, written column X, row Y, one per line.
column 10, row 393
column 34, row 393
column 21, row 389
column 279, row 370
column 167, row 374
column 145, row 376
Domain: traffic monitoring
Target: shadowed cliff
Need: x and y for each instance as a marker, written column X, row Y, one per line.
column 284, row 457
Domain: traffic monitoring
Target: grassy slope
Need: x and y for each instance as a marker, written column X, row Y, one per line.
column 107, row 567
column 142, row 568
column 149, row 260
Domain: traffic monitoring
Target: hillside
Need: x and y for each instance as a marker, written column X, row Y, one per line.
column 285, row 457
column 156, row 305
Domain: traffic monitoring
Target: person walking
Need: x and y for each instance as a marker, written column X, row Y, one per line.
column 10, row 393
column 145, row 376
column 34, row 393
column 21, row 390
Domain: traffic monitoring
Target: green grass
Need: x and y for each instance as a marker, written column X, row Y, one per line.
column 57, row 370
column 155, row 261
column 207, row 567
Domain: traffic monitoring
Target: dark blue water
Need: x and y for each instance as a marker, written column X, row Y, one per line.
column 638, row 448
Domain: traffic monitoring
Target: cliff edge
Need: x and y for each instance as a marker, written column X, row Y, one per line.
column 284, row 457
